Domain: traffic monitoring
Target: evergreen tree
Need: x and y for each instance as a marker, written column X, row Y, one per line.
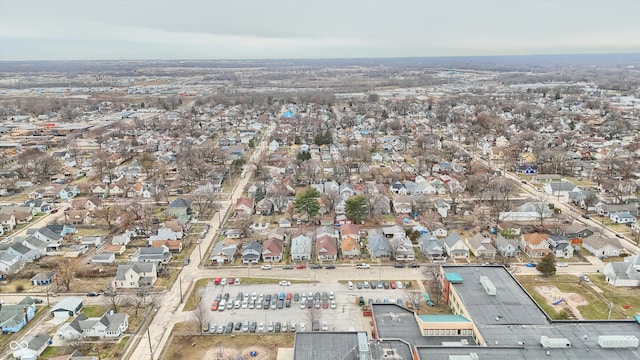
column 303, row 155
column 307, row 202
column 356, row 208
column 547, row 266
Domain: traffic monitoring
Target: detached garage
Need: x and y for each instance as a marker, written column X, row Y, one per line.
column 67, row 307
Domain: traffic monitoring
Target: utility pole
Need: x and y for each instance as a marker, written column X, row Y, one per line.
column 181, row 297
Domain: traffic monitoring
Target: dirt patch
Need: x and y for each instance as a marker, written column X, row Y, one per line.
column 224, row 353
column 561, row 300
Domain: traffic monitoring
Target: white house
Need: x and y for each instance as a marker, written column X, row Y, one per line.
column 36, row 345
column 601, row 246
column 301, row 248
column 623, row 273
column 455, row 247
column 110, row 326
column 134, row 275
column 622, row 217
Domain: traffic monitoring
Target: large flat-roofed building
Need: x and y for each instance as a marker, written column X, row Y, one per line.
column 508, row 324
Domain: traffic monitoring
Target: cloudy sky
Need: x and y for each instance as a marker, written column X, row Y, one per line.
column 236, row 29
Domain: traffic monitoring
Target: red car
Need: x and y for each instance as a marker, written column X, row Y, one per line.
column 231, row 281
column 214, row 306
column 393, row 284
column 301, row 266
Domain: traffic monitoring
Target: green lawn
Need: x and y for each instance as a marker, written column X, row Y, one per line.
column 598, row 304
column 94, row 310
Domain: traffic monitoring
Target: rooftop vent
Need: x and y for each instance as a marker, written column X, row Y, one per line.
column 618, row 341
column 554, row 343
column 487, row 285
column 471, row 356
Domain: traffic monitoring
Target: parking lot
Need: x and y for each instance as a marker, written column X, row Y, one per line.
column 344, row 314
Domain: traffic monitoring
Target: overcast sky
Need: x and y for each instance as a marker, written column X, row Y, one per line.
column 236, row 29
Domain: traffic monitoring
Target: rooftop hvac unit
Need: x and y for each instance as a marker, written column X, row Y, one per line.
column 618, row 341
column 554, row 343
column 487, row 285
column 471, row 356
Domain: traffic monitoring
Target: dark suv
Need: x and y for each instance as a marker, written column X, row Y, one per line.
column 398, row 265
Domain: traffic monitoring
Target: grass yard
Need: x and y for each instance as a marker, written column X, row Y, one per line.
column 598, row 303
column 94, row 310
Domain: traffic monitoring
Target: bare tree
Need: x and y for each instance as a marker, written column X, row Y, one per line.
column 413, row 297
column 200, row 315
column 434, row 278
column 204, row 202
column 313, row 315
column 67, row 269
column 114, row 300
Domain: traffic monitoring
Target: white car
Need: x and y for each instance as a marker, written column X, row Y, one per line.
column 325, row 326
column 303, row 305
column 284, row 283
column 399, row 284
column 270, row 326
column 562, row 264
column 266, row 267
column 237, row 282
column 362, row 266
column 292, row 327
column 261, row 327
column 350, row 285
column 223, row 281
column 333, row 304
column 302, row 327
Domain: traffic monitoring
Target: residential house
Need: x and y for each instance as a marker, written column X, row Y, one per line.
column 481, row 247
column 623, row 273
column 24, row 253
column 379, row 247
column 622, row 217
column 234, row 233
column 272, row 250
column 575, row 232
column 36, row 345
column 560, row 189
column 174, row 246
column 244, row 207
column 507, row 247
column 350, row 248
column 94, row 241
column 402, row 248
column 601, row 246
column 402, row 205
column 560, row 246
column 53, row 239
column 431, row 246
column 134, row 275
column 43, row 279
column 104, row 258
column 109, row 326
column 178, row 208
column 67, row 307
column 7, row 221
column 326, row 248
column 157, row 255
column 264, row 207
column 442, row 207
column 284, row 223
column 301, row 248
column 77, row 217
column 10, row 263
column 224, row 251
column 455, row 247
column 251, row 252
column 606, row 209
column 14, row 317
column 122, row 239
column 535, row 245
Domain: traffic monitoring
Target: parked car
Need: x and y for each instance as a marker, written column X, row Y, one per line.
column 398, row 265
column 92, row 294
column 301, row 266
column 362, row 266
column 238, row 326
column 585, row 216
column 229, row 328
column 284, row 283
column 237, row 282
column 270, row 326
column 277, row 327
column 261, row 327
column 231, row 281
column 253, row 327
column 266, row 267
column 330, row 267
column 287, row 267
column 316, row 266
column 562, row 264
column 316, row 325
column 414, row 265
column 392, row 284
column 37, row 301
column 325, row 326
column 223, row 281
column 530, row 265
